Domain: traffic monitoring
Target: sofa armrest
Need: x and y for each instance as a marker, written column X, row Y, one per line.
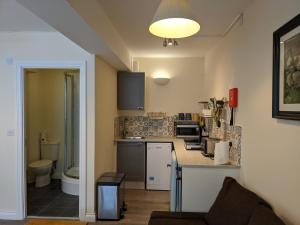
column 265, row 215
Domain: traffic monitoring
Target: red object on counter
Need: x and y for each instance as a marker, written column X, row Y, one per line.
column 233, row 97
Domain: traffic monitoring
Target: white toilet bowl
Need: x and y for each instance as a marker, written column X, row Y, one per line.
column 41, row 169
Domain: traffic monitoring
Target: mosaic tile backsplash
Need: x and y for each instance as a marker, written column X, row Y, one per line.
column 148, row 127
column 144, row 126
column 229, row 133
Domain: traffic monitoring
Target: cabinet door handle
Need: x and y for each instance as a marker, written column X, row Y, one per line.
column 140, row 108
column 168, row 165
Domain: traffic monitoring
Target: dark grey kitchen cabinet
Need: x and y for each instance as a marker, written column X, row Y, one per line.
column 131, row 90
column 131, row 160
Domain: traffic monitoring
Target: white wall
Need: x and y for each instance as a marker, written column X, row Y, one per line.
column 35, row 47
column 270, row 147
column 184, row 90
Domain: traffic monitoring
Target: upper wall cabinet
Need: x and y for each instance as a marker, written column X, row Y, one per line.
column 131, row 90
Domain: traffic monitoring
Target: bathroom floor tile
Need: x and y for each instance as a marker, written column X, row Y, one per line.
column 52, row 212
column 70, row 212
column 51, row 201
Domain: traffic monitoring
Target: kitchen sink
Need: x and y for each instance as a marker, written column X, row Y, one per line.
column 134, row 137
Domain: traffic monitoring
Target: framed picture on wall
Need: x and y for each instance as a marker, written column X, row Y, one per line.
column 286, row 71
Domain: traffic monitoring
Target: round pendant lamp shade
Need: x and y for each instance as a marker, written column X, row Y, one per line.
column 174, row 19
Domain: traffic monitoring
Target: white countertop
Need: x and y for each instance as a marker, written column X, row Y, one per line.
column 185, row 158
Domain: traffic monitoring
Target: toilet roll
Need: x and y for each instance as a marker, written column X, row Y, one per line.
column 44, row 137
column 221, row 153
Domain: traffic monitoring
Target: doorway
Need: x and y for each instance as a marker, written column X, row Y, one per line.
column 52, row 158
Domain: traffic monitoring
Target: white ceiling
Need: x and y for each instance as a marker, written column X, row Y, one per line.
column 131, row 19
column 15, row 18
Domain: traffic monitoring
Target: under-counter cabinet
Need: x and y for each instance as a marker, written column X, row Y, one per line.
column 131, row 160
column 131, row 90
column 159, row 158
column 201, row 185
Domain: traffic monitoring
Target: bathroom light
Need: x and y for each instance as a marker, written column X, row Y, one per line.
column 174, row 19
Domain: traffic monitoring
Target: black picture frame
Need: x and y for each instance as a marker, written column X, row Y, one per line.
column 276, row 112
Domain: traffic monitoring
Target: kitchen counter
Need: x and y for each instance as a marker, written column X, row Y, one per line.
column 185, row 158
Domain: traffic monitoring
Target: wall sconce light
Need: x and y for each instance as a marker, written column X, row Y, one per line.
column 161, row 80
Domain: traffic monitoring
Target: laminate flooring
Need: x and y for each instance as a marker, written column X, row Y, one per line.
column 140, row 204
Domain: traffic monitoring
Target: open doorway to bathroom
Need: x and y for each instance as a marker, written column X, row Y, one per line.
column 51, row 133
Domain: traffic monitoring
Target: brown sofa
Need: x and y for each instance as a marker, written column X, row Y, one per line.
column 235, row 205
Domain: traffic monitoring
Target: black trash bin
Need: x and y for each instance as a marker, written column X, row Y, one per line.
column 110, row 196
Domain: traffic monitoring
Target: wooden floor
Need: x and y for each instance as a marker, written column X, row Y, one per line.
column 140, row 204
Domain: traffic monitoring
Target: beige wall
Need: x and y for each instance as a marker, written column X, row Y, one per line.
column 270, row 147
column 96, row 18
column 106, row 111
column 45, row 112
column 183, row 91
column 47, row 47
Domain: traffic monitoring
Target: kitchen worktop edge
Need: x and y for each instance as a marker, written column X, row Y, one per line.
column 189, row 159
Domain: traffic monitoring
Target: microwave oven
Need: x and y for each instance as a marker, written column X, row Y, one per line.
column 188, row 130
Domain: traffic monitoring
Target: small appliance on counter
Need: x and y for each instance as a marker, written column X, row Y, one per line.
column 180, row 116
column 195, row 117
column 193, row 145
column 191, row 132
column 221, row 153
column 188, row 130
column 188, row 116
column 209, row 146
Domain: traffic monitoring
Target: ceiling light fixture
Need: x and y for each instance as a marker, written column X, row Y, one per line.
column 174, row 19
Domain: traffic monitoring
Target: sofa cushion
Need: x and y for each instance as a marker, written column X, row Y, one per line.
column 180, row 218
column 234, row 205
column 263, row 215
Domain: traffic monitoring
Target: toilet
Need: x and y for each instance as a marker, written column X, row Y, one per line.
column 42, row 168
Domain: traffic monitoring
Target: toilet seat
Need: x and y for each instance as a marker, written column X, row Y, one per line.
column 40, row 163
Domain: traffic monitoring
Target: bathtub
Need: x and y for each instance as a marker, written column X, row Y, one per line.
column 70, row 181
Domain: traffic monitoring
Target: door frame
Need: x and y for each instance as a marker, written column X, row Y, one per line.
column 21, row 164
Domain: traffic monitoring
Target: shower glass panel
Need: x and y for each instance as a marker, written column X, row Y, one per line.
column 71, row 157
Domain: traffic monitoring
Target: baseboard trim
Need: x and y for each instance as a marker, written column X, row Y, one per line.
column 8, row 215
column 90, row 217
